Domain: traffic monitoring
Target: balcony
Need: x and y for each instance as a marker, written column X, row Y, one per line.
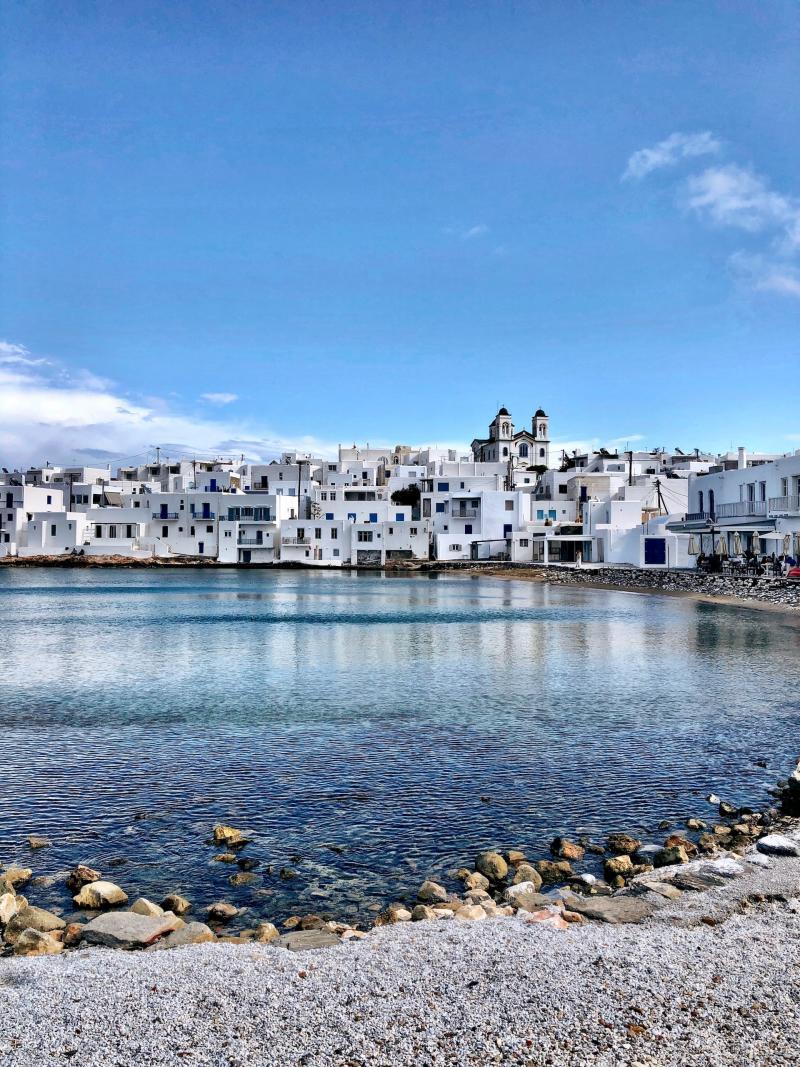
column 784, row 505
column 461, row 512
column 165, row 516
column 740, row 509
column 254, row 542
column 295, row 541
column 696, row 516
column 201, row 516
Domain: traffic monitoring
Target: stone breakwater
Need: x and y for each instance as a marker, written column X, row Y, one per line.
column 778, row 592
column 638, row 878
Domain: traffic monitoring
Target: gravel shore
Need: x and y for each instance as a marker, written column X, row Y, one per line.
column 711, row 979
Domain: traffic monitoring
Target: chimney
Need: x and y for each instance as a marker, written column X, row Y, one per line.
column 742, row 464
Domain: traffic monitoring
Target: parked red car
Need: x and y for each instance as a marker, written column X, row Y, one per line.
column 793, row 572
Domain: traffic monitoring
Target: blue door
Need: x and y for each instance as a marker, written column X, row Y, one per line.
column 655, row 551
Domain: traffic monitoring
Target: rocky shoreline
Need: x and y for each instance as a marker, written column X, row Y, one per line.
column 553, row 891
column 781, row 593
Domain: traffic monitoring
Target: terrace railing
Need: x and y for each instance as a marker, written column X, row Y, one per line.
column 784, row 505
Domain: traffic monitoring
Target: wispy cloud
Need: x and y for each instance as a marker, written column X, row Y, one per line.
column 219, row 398
column 49, row 410
column 734, row 196
column 670, row 151
column 468, row 233
column 17, row 354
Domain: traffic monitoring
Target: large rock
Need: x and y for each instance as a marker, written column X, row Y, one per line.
column 100, row 895
column 491, row 865
column 30, row 918
column 300, row 940
column 190, row 934
column 35, row 841
column 622, row 844
column 553, row 871
column 37, row 943
column 778, row 845
column 422, row 913
column 678, row 841
column 619, row 909
column 525, row 872
column 10, row 905
column 432, row 893
column 128, row 929
column 81, row 876
column 14, row 876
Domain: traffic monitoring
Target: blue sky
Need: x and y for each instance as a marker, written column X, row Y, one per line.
column 249, row 225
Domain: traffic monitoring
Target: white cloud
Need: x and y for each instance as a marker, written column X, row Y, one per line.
column 219, row 398
column 51, row 411
column 765, row 274
column 468, row 234
column 670, row 151
column 734, row 196
column 11, row 353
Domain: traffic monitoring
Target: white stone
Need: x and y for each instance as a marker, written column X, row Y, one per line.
column 100, row 895
column 778, row 845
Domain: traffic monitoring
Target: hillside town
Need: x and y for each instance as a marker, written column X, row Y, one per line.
column 512, row 498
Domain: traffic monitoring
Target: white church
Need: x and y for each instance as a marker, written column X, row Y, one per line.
column 525, row 448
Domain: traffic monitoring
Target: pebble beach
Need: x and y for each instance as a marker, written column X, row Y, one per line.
column 711, row 979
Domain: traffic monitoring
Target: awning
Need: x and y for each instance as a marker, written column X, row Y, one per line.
column 113, row 498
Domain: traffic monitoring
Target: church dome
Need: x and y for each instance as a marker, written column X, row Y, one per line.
column 503, row 411
column 540, row 414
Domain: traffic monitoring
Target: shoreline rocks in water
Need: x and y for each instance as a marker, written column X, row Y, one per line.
column 639, row 878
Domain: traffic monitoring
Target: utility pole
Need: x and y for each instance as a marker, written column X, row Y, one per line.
column 630, row 466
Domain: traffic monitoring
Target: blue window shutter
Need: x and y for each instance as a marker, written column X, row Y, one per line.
column 399, row 518
column 443, row 487
column 373, row 516
column 552, row 514
column 328, row 514
column 540, row 514
column 467, row 527
column 440, row 508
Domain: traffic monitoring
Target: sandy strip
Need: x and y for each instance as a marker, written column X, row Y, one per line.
column 675, row 990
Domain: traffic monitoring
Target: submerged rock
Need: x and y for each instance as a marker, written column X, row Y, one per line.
column 228, row 835
column 34, row 841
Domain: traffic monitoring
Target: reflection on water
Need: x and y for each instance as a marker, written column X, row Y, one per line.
column 353, row 722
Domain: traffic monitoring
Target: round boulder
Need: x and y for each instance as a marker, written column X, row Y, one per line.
column 492, row 866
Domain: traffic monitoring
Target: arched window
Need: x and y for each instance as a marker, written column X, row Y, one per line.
column 711, row 502
column 541, row 453
column 505, row 452
column 700, row 499
column 505, row 427
column 523, row 451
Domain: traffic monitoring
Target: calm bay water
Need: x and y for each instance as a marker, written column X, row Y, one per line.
column 352, row 723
